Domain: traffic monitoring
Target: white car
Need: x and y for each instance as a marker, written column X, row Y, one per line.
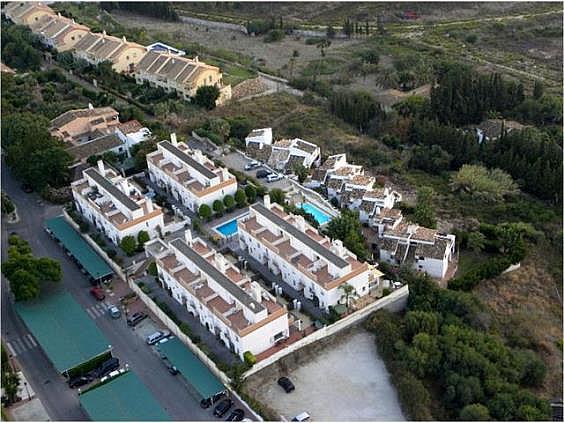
column 273, row 177
column 252, row 165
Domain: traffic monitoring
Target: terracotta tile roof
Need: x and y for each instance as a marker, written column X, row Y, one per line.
column 435, row 251
column 169, row 262
column 200, row 248
column 71, row 115
column 95, row 147
column 220, row 304
column 184, row 275
column 238, row 320
column 283, row 143
column 130, row 127
column 203, row 291
column 234, row 275
column 335, row 184
column 424, row 234
column 375, row 193
column 362, row 180
column 305, row 146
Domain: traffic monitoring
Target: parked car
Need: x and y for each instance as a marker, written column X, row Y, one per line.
column 155, row 337
column 114, row 312
column 97, row 293
column 236, row 415
column 107, row 366
column 78, row 381
column 135, row 318
column 302, row 417
column 223, row 407
column 286, row 384
column 208, row 402
column 173, row 370
column 273, row 177
column 262, row 173
column 252, row 165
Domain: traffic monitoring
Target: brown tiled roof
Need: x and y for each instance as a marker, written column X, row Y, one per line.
column 375, row 193
column 95, row 147
column 220, row 304
column 306, row 146
column 424, row 234
column 335, row 184
column 435, row 251
column 361, row 180
column 367, row 206
column 130, row 127
column 261, row 154
column 71, row 115
column 238, row 320
column 283, row 143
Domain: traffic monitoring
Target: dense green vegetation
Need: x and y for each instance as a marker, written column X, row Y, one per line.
column 347, row 228
column 441, row 348
column 25, row 272
column 19, row 47
column 160, row 10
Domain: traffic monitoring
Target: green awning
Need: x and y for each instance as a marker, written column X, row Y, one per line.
column 124, row 398
column 195, row 372
column 96, row 267
column 64, row 330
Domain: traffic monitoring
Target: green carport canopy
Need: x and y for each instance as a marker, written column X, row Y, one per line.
column 96, row 267
column 193, row 370
column 123, row 398
column 64, row 330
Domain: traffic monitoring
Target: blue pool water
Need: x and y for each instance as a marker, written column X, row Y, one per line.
column 319, row 216
column 228, row 229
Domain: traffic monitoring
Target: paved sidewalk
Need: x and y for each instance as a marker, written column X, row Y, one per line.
column 307, row 305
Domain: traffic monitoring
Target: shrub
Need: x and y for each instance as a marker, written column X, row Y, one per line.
column 251, row 193
column 386, row 291
column 249, row 358
column 152, row 269
column 128, row 244
column 111, row 253
column 205, row 212
column 83, row 226
column 218, row 207
column 142, row 238
column 274, row 35
column 229, row 202
column 241, row 198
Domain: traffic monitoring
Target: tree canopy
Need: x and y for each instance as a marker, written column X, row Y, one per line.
column 347, row 228
column 206, row 96
column 484, row 184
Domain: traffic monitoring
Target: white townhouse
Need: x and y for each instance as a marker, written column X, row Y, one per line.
column 425, row 250
column 320, row 176
column 259, row 136
column 286, row 154
column 309, row 262
column 231, row 306
column 188, row 175
column 115, row 205
column 376, row 200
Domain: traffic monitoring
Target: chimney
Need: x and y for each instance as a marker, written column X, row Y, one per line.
column 101, row 168
column 338, row 247
column 196, row 59
column 266, row 200
column 90, row 106
column 123, row 39
column 198, row 156
column 104, row 33
column 220, row 263
column 300, row 223
column 173, row 139
column 59, row 15
column 188, row 236
column 149, row 203
column 256, row 292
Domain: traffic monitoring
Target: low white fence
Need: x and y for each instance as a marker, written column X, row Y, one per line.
column 396, row 300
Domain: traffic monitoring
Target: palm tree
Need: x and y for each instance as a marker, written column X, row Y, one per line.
column 349, row 294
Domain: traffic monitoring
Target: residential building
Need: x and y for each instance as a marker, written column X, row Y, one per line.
column 335, row 180
column 319, row 176
column 115, row 205
column 259, row 144
column 131, row 133
column 243, row 315
column 374, row 201
column 97, row 48
column 180, row 74
column 308, row 261
column 425, row 250
column 81, row 125
column 59, row 32
column 25, row 13
column 286, row 154
column 188, row 175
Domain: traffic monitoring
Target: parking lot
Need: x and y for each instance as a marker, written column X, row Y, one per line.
column 343, row 381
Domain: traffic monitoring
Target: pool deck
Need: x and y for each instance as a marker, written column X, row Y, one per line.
column 226, row 218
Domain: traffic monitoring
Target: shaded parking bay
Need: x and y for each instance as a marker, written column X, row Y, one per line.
column 340, row 380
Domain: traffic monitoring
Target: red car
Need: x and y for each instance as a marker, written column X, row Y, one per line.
column 97, row 293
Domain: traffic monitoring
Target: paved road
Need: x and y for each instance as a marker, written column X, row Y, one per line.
column 60, row 401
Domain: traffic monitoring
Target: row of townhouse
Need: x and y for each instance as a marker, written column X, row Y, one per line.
column 188, row 175
column 93, row 131
column 157, row 64
column 243, row 315
column 115, row 205
column 284, row 154
column 308, row 261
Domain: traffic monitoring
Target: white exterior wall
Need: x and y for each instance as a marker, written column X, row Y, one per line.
column 262, row 339
column 295, row 278
column 436, row 268
column 265, row 138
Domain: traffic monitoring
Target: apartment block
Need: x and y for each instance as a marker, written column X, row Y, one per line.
column 180, row 74
column 97, row 48
column 25, row 13
column 115, row 205
column 305, row 259
column 59, row 32
column 239, row 311
column 81, row 125
column 189, row 176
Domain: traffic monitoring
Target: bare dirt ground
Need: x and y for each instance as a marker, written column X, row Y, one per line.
column 527, row 305
column 273, row 55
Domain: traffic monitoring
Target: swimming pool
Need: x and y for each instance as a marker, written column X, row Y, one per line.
column 319, row 216
column 228, row 229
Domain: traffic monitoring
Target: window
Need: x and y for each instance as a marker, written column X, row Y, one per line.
column 72, row 38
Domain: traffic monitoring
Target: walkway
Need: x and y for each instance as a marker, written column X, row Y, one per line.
column 215, row 345
column 307, row 305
